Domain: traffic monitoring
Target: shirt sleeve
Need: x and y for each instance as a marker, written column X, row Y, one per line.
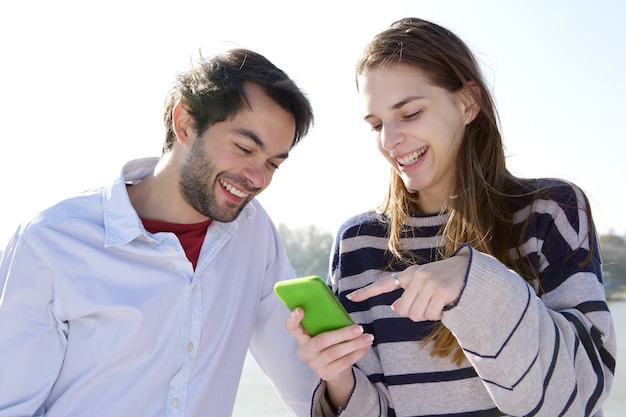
column 32, row 337
column 548, row 354
column 273, row 347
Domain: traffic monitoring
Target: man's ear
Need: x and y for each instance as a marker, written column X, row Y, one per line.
column 470, row 97
column 183, row 123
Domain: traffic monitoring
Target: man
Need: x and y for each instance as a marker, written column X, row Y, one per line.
column 142, row 298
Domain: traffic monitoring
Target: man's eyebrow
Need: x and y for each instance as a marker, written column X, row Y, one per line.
column 399, row 104
column 258, row 142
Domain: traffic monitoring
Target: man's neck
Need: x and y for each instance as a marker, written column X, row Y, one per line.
column 158, row 196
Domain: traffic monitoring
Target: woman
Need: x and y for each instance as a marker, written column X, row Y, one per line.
column 494, row 282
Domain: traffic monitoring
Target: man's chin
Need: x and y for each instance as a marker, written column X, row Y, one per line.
column 227, row 215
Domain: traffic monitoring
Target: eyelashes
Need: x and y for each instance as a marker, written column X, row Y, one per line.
column 408, row 118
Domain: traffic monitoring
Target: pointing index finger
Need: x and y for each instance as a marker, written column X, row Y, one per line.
column 387, row 284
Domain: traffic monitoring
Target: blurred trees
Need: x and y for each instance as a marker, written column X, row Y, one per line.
column 613, row 250
column 308, row 249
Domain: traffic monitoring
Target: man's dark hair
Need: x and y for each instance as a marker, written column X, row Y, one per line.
column 213, row 90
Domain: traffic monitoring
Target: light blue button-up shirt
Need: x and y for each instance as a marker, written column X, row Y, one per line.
column 100, row 318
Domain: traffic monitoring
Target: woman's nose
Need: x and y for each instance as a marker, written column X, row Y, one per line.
column 390, row 136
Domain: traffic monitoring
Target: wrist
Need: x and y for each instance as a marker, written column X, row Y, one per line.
column 339, row 390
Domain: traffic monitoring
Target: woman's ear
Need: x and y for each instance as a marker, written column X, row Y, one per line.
column 183, row 123
column 470, row 97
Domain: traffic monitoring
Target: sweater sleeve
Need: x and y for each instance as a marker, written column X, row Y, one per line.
column 365, row 400
column 545, row 355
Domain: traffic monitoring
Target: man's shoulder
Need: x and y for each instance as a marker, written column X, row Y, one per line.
column 82, row 207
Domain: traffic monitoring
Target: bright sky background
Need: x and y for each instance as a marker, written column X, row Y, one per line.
column 83, row 85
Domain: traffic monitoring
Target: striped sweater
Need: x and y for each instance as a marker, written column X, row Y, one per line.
column 526, row 355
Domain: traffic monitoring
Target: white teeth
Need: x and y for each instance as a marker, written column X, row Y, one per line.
column 234, row 191
column 412, row 158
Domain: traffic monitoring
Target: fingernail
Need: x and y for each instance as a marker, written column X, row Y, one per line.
column 358, row 329
column 349, row 296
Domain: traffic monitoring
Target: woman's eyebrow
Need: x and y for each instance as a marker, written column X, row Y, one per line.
column 405, row 101
column 399, row 104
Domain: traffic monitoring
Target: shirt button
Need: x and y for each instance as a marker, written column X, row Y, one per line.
column 175, row 403
column 189, row 347
column 172, row 249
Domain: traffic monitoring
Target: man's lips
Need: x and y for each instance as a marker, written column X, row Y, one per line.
column 237, row 192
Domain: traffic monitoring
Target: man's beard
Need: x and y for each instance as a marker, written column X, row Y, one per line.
column 197, row 185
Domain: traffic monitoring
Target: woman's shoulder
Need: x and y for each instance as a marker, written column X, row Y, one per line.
column 547, row 202
column 368, row 223
column 557, row 186
column 561, row 192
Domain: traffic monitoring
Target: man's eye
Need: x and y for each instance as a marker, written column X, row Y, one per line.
column 244, row 150
column 274, row 165
column 376, row 128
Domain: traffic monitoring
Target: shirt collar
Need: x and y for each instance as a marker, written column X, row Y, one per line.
column 121, row 222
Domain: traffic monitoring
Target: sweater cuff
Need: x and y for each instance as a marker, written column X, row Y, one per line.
column 363, row 398
column 491, row 292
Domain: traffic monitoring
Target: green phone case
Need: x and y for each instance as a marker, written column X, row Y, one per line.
column 322, row 309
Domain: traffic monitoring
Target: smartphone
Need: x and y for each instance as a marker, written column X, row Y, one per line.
column 322, row 309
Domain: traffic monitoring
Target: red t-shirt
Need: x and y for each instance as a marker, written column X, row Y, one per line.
column 190, row 236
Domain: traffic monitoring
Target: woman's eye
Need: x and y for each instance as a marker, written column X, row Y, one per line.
column 376, row 128
column 413, row 115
